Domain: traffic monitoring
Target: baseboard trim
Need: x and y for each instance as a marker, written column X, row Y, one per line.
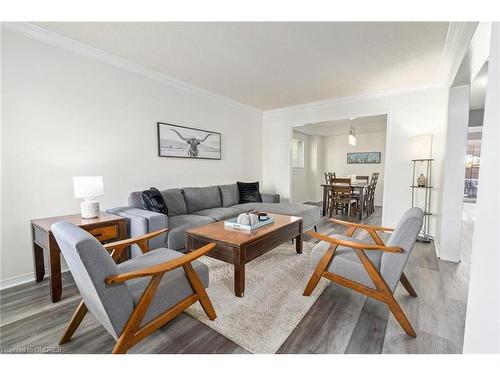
column 23, row 279
column 18, row 280
column 436, row 247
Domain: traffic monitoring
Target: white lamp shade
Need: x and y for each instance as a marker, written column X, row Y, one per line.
column 422, row 146
column 88, row 186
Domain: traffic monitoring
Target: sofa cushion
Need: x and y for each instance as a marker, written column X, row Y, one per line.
column 201, row 198
column 309, row 214
column 249, row 192
column 153, row 201
column 177, row 226
column 229, row 195
column 219, row 213
column 174, row 286
column 135, row 200
column 245, row 207
column 346, row 262
column 175, row 202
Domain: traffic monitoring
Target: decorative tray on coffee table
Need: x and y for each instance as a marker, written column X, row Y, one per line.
column 231, row 223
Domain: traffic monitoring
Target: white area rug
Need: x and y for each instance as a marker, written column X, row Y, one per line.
column 273, row 304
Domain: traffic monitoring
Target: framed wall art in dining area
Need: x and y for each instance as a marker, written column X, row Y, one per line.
column 363, row 157
column 178, row 141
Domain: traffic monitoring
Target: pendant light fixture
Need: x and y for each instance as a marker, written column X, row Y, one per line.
column 352, row 134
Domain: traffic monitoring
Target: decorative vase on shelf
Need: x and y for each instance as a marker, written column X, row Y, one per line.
column 422, row 180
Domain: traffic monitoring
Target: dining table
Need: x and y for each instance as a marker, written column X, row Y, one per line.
column 359, row 185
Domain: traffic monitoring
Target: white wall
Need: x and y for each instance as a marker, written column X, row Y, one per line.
column 482, row 325
column 301, row 177
column 306, row 181
column 335, row 149
column 410, row 113
column 453, row 179
column 65, row 114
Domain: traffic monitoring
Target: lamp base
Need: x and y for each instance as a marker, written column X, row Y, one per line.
column 89, row 209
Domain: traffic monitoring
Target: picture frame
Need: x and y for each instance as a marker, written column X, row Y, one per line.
column 177, row 141
column 364, row 157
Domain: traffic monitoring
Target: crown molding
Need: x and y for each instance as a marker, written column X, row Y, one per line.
column 458, row 38
column 66, row 43
column 365, row 96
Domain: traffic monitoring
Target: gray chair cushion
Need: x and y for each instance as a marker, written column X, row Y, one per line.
column 90, row 264
column 405, row 234
column 229, row 195
column 346, row 262
column 219, row 213
column 309, row 214
column 174, row 286
column 201, row 198
column 178, row 225
column 175, row 202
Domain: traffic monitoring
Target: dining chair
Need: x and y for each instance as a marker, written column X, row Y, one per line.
column 134, row 298
column 341, row 196
column 328, row 177
column 356, row 195
column 371, row 195
column 328, row 180
column 373, row 269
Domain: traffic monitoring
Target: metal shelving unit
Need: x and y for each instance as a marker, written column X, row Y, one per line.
column 424, row 234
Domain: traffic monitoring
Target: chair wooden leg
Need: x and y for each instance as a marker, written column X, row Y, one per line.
column 399, row 314
column 121, row 345
column 199, row 289
column 316, row 276
column 407, row 285
column 386, row 293
column 125, row 341
column 75, row 321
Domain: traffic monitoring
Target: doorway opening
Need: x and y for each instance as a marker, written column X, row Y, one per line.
column 350, row 148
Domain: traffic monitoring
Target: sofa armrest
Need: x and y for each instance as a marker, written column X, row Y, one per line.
column 270, row 198
column 141, row 222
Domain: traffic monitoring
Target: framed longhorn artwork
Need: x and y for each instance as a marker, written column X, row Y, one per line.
column 175, row 141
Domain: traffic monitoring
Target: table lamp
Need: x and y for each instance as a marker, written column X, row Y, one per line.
column 88, row 188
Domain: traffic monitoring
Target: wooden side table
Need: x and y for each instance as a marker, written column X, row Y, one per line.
column 106, row 228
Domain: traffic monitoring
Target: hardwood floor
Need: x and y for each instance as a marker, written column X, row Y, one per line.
column 340, row 321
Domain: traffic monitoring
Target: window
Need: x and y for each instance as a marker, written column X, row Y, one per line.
column 297, row 152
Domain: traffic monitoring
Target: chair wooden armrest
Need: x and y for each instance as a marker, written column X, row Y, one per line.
column 161, row 268
column 141, row 241
column 362, row 226
column 355, row 245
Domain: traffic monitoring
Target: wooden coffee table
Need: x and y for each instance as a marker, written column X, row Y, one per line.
column 238, row 247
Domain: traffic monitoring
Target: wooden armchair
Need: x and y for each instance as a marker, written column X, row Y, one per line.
column 136, row 297
column 373, row 269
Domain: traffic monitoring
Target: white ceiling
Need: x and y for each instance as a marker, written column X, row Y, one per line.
column 274, row 65
column 368, row 124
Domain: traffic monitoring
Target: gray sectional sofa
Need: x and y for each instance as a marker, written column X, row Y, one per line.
column 196, row 206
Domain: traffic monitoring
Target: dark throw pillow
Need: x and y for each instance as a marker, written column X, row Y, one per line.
column 249, row 192
column 153, row 201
